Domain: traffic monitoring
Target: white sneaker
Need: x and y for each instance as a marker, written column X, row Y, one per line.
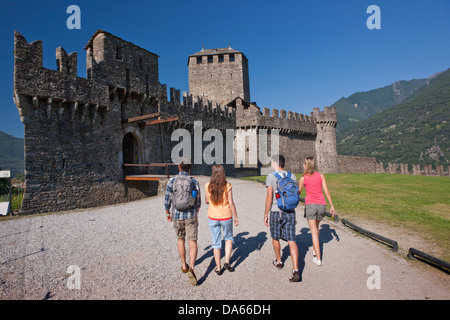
column 317, row 261
column 314, row 253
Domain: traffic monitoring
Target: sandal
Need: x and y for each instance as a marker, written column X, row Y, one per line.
column 192, row 277
column 277, row 264
column 218, row 272
column 228, row 267
column 295, row 277
column 184, row 270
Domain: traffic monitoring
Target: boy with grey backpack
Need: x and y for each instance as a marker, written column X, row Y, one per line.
column 183, row 196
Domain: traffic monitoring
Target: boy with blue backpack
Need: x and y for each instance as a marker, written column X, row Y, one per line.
column 281, row 200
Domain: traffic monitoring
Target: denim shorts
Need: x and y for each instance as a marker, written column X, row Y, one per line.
column 216, row 227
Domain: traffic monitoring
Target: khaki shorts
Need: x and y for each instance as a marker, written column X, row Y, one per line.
column 315, row 211
column 186, row 227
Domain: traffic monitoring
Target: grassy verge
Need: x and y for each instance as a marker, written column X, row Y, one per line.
column 418, row 203
column 16, row 202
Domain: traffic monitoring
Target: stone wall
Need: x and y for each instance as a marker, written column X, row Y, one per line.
column 77, row 131
column 119, row 63
column 417, row 169
column 299, row 135
column 80, row 132
column 351, row 164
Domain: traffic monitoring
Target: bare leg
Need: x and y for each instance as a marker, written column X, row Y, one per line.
column 217, row 256
column 277, row 249
column 294, row 254
column 314, row 227
column 192, row 253
column 182, row 252
column 228, row 249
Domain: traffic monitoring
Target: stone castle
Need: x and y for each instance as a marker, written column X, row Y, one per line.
column 106, row 138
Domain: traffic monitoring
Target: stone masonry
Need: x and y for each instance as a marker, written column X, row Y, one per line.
column 79, row 132
column 219, row 75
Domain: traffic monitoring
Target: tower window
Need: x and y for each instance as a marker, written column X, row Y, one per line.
column 221, row 58
column 232, row 57
column 141, row 63
column 210, row 59
column 199, row 59
column 118, row 53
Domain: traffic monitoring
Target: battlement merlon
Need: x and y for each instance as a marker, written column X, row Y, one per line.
column 32, row 81
column 328, row 116
column 66, row 63
column 248, row 114
column 287, row 121
column 194, row 108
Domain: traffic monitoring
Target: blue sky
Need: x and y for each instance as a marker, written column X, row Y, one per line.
column 302, row 54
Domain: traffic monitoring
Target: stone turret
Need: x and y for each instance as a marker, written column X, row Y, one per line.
column 219, row 74
column 79, row 132
column 326, row 151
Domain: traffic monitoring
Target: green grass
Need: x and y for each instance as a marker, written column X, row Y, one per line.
column 420, row 204
column 15, row 201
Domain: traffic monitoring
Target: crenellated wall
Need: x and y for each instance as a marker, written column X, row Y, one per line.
column 300, row 136
column 79, row 132
column 417, row 169
column 354, row 164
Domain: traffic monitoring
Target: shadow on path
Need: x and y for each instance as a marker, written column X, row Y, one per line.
column 242, row 247
column 304, row 242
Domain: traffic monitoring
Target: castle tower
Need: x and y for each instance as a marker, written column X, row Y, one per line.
column 326, row 152
column 119, row 63
column 219, row 75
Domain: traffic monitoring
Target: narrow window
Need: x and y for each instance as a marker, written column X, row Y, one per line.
column 210, row 59
column 119, row 53
column 221, row 58
column 141, row 63
column 127, row 78
column 232, row 57
column 199, row 59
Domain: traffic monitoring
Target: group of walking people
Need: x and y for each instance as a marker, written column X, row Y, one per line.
column 182, row 203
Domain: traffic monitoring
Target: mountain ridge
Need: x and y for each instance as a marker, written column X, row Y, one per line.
column 415, row 131
column 11, row 153
column 365, row 104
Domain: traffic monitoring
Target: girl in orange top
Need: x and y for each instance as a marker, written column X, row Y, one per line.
column 221, row 214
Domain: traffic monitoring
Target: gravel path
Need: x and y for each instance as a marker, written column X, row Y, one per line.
column 128, row 251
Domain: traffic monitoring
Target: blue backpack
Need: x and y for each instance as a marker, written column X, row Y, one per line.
column 287, row 189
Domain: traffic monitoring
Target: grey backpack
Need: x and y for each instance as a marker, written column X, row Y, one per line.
column 182, row 198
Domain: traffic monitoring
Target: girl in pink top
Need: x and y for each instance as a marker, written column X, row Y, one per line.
column 315, row 204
